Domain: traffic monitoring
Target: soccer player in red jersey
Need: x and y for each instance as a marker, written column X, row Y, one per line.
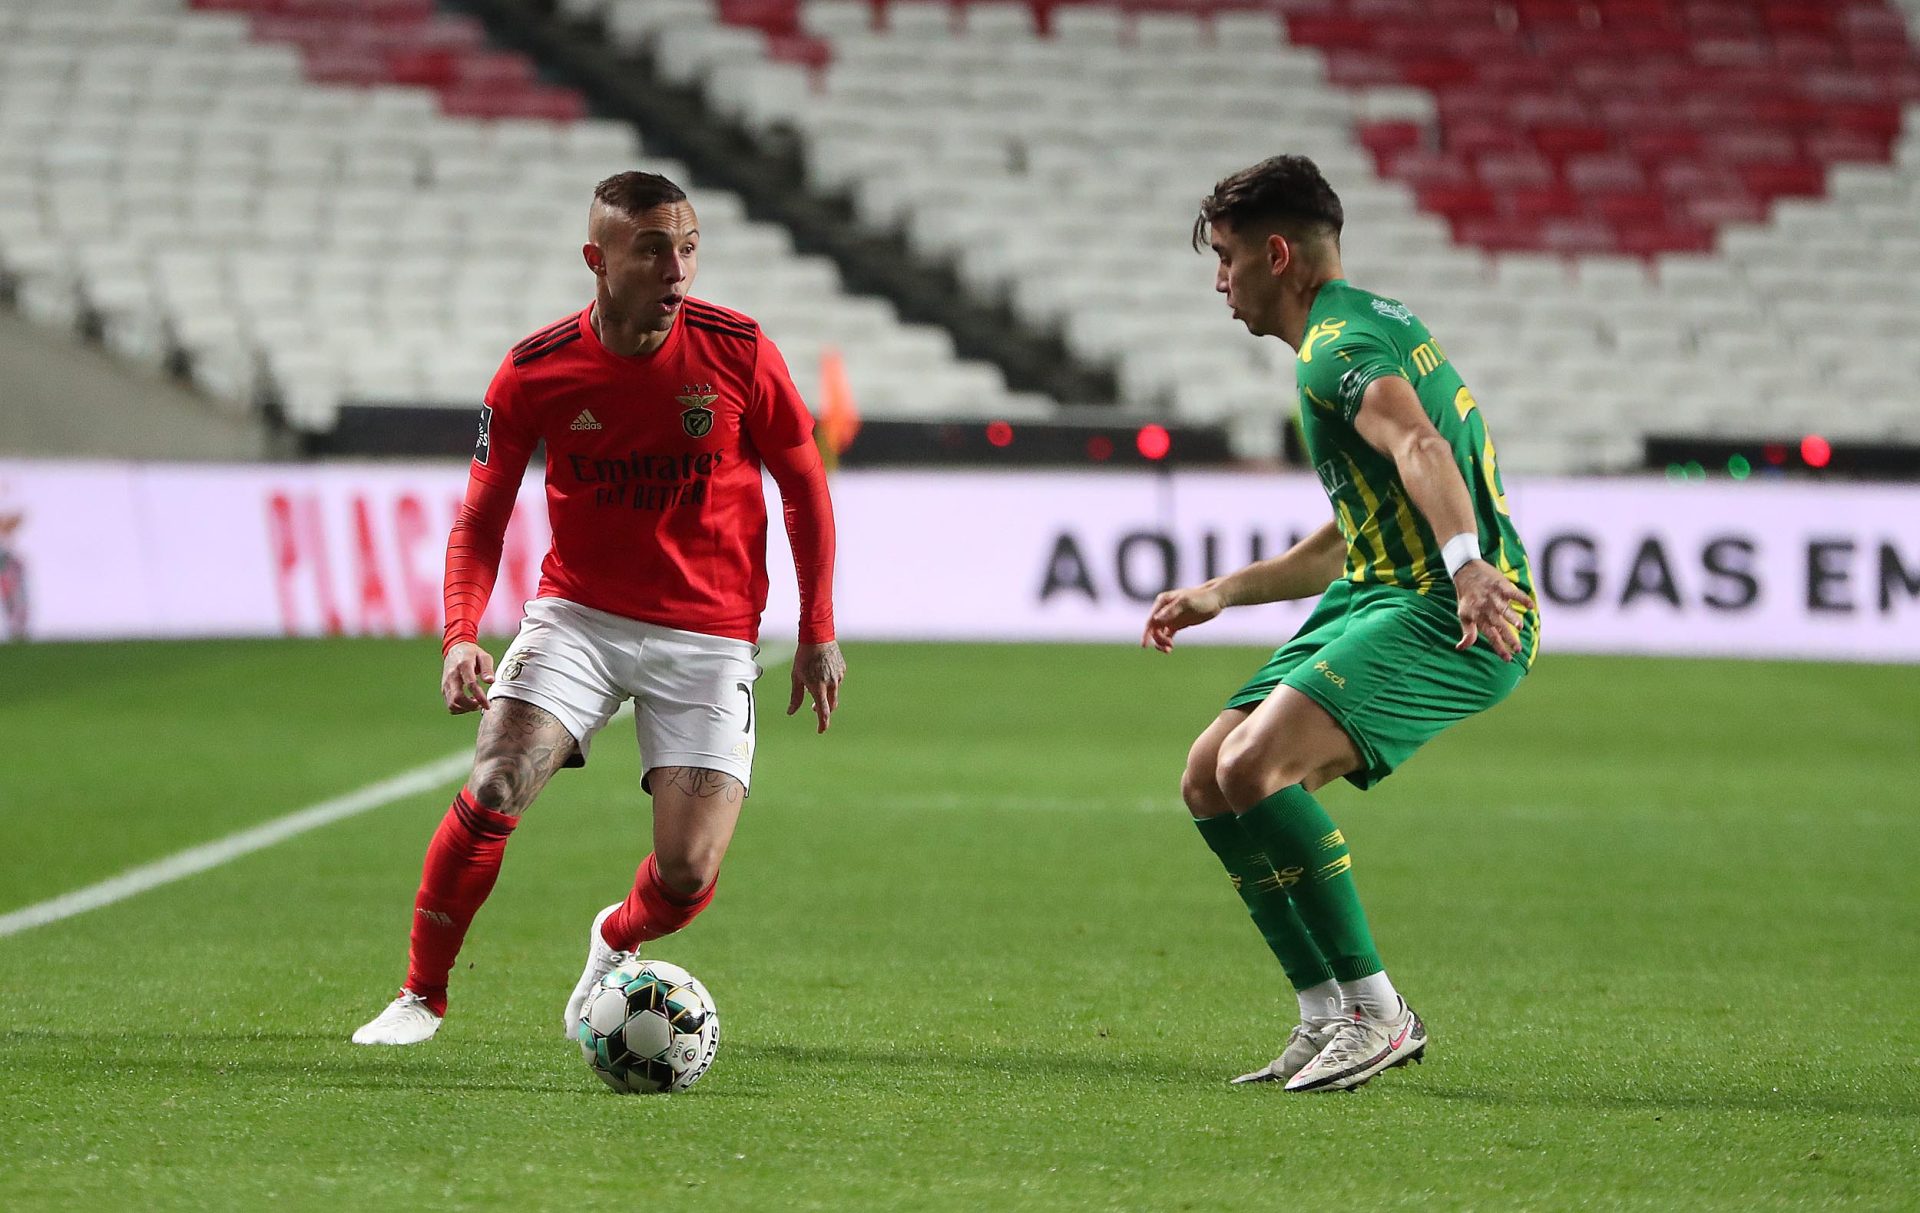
column 658, row 412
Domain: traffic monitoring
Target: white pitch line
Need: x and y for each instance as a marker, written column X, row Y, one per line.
column 194, row 860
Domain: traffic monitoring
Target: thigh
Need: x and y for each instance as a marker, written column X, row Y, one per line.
column 1394, row 681
column 693, row 704
column 562, row 663
column 1295, row 740
column 519, row 748
column 694, row 814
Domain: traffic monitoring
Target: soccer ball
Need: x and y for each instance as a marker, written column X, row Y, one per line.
column 648, row 1027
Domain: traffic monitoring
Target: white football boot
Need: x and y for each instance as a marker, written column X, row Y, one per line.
column 406, row 1021
column 1304, row 1043
column 601, row 960
column 1362, row 1047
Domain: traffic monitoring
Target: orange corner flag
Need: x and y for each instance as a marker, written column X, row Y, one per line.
column 839, row 419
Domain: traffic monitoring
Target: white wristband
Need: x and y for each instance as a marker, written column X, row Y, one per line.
column 1459, row 550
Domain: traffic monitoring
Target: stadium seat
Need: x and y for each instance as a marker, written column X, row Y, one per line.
column 208, row 196
column 1599, row 152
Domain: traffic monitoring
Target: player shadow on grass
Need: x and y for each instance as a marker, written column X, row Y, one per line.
column 997, row 1062
column 192, row 1055
column 1753, row 1100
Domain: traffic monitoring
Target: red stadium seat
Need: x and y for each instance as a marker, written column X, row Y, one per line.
column 1384, row 139
column 1455, row 201
column 1657, row 120
column 1668, row 117
column 368, row 42
column 1770, row 181
column 776, row 17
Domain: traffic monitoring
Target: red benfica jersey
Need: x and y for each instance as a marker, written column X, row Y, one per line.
column 653, row 470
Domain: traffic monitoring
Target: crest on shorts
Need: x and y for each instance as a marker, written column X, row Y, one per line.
column 511, row 667
column 697, row 417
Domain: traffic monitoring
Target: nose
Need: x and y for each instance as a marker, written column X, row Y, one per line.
column 676, row 268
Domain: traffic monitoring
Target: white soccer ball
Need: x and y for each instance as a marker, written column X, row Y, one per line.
column 649, row 1027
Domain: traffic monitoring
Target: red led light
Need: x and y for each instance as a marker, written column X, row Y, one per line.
column 1100, row 448
column 1817, row 451
column 1775, row 453
column 1153, row 441
column 999, row 433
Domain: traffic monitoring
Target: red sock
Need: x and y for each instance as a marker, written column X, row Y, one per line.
column 653, row 909
column 463, row 860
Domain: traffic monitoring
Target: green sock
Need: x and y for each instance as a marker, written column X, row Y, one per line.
column 1272, row 910
column 1309, row 854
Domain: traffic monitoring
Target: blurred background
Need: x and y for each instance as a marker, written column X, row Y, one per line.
column 1673, row 246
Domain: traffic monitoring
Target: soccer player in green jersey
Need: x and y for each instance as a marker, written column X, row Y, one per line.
column 1426, row 613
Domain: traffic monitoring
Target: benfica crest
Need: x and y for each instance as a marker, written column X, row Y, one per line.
column 697, row 417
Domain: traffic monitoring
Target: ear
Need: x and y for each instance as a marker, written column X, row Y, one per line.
column 1279, row 254
column 595, row 259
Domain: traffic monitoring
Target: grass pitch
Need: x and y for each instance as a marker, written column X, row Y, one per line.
column 1658, row 915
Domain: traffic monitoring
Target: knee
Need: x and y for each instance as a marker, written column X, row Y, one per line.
column 689, row 872
column 1247, row 774
column 1198, row 789
column 498, row 786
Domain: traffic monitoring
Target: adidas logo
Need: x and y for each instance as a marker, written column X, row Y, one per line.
column 437, row 917
column 585, row 421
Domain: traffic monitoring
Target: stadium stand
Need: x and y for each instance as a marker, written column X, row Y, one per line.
column 323, row 202
column 61, row 396
column 1621, row 215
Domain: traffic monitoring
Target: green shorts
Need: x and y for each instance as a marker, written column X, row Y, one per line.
column 1381, row 661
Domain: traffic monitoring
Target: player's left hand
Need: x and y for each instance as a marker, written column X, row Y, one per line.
column 1490, row 606
column 817, row 671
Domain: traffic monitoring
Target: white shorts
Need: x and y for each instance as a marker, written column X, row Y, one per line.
column 692, row 693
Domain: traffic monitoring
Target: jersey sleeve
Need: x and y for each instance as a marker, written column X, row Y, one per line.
column 776, row 415
column 500, row 457
column 1334, row 371
column 508, row 431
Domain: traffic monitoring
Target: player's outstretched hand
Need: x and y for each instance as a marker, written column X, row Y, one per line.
column 1490, row 606
column 818, row 670
column 1176, row 609
column 464, row 677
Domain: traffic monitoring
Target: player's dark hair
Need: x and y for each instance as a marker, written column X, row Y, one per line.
column 1284, row 192
column 632, row 193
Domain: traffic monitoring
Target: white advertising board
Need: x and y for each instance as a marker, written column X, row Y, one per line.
column 1782, row 569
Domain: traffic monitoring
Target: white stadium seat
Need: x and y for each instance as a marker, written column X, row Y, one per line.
column 186, row 185
column 313, row 245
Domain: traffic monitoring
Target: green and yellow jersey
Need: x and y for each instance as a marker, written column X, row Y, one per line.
column 1353, row 338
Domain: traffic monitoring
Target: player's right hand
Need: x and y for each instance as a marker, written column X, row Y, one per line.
column 1492, row 609
column 464, row 677
column 1176, row 609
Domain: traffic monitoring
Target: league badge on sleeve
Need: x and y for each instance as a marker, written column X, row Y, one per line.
column 697, row 417
column 483, row 444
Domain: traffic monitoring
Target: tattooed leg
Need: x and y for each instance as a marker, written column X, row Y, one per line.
column 519, row 749
column 694, row 812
